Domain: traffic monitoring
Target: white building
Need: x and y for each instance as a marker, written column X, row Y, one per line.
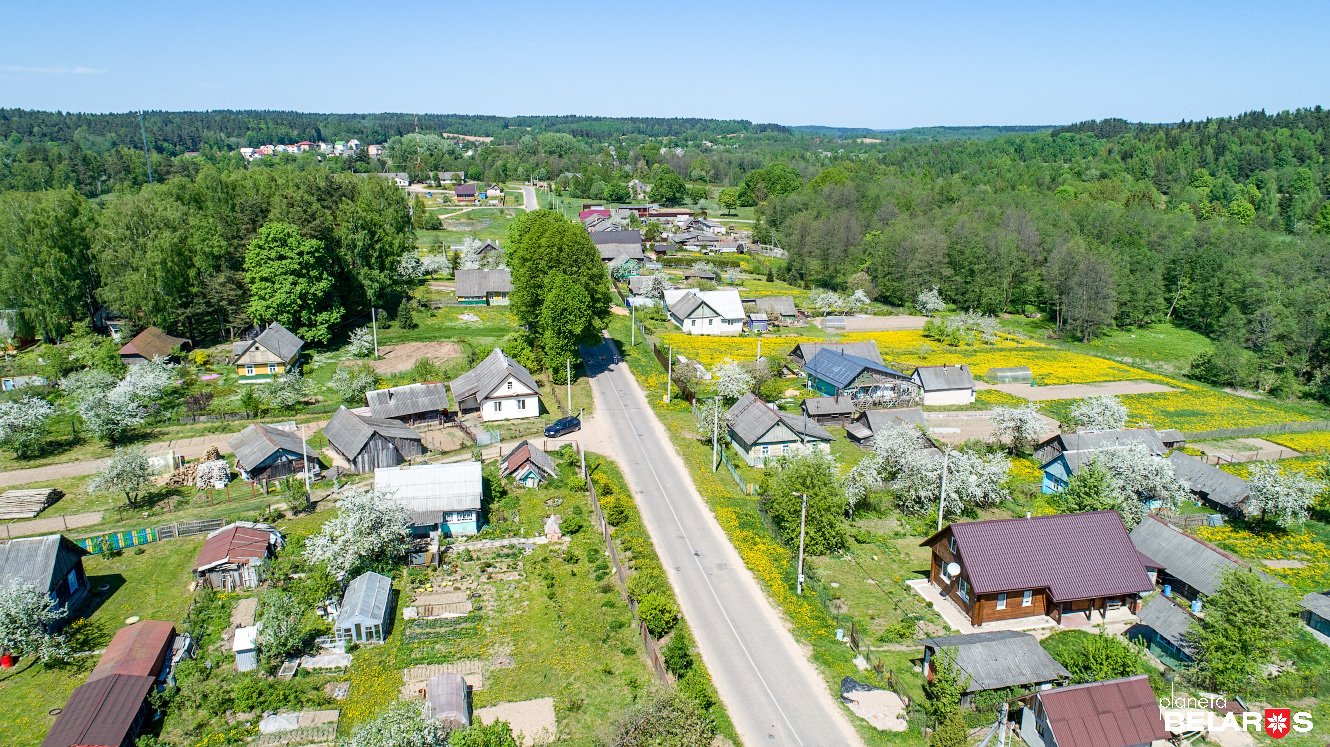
column 945, row 385
column 697, row 312
column 500, row 388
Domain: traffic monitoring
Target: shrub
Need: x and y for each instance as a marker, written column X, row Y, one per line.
column 649, row 579
column 617, row 509
column 678, row 653
column 571, row 525
column 659, row 613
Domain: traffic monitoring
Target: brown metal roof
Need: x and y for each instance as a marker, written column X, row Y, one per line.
column 1074, row 556
column 1112, row 713
column 152, row 343
column 233, row 543
column 100, row 713
column 138, row 650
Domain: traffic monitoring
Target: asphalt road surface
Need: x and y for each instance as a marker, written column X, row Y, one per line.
column 774, row 694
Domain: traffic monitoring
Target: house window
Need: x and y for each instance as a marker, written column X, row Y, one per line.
column 766, row 450
column 249, row 370
column 73, row 580
column 963, row 589
column 951, row 544
column 510, row 385
column 1002, row 601
column 710, row 322
column 942, row 574
column 498, row 406
column 1027, row 597
column 272, row 368
column 521, row 404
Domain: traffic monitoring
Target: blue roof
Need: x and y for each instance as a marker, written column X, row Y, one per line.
column 841, row 369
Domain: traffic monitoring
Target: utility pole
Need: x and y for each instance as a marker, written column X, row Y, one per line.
column 669, row 375
column 568, row 379
column 942, row 496
column 715, row 435
column 632, row 333
column 803, row 522
column 374, row 321
column 304, row 454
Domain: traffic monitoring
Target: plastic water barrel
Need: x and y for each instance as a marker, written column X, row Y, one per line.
column 1168, row 590
column 1196, row 606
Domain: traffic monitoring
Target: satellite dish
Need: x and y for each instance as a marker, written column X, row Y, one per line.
column 953, row 569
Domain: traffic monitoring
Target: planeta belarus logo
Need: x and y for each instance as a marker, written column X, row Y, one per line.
column 1277, row 722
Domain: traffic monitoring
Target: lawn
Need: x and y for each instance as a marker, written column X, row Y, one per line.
column 152, row 585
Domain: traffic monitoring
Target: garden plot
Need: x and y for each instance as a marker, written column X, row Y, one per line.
column 1244, row 450
column 532, row 720
column 1077, row 391
column 397, row 358
column 957, row 427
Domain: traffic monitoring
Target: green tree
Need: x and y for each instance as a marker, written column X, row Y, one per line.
column 663, row 718
column 617, row 192
column 658, row 612
column 943, row 690
column 1241, row 211
column 1247, row 620
column 1321, row 223
column 372, row 233
column 282, row 632
column 420, row 215
column 493, row 734
column 45, row 248
column 546, row 250
column 678, row 653
column 729, row 200
column 1090, row 657
column 290, row 283
column 812, row 473
column 1090, row 489
column 951, row 732
column 667, row 187
column 565, row 319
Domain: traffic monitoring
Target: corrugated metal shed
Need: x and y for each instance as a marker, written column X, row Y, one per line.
column 944, row 378
column 365, row 600
column 102, row 712
column 1000, row 658
column 433, row 487
column 1074, row 556
column 405, row 401
column 1189, row 560
column 1112, row 713
column 139, row 650
column 482, row 380
column 1169, row 621
column 1210, row 482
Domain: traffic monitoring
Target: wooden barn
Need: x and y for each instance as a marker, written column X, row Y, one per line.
column 264, row 452
column 366, row 443
column 413, row 404
column 233, row 557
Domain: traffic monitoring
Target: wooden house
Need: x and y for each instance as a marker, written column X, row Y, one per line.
column 1210, row 485
column 274, row 352
column 1181, row 564
column 464, row 193
column 441, row 499
column 760, row 432
column 805, row 351
column 499, row 388
column 1054, row 566
column 52, row 563
column 615, row 244
column 363, row 615
column 1316, row 615
column 413, row 404
column 1164, row 626
column 528, row 465
column 834, row 373
column 484, row 287
column 779, row 309
column 264, row 452
column 234, row 556
column 868, row 423
column 366, row 443
column 1065, row 454
column 715, row 312
column 829, row 410
column 150, row 344
column 1110, row 713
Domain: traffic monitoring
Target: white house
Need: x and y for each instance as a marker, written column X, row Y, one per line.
column 500, row 388
column 945, row 385
column 714, row 312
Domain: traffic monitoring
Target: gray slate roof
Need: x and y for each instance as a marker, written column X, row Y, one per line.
column 258, row 442
column 1169, row 620
column 476, row 283
column 806, row 350
column 750, row 419
column 1317, row 604
column 32, row 560
column 365, row 600
column 944, row 378
column 1094, row 440
column 612, row 244
column 1186, row 558
column 348, row 432
column 878, row 419
column 1000, row 658
column 276, row 339
column 826, row 406
column 482, row 380
column 1216, row 484
column 781, row 305
column 412, row 399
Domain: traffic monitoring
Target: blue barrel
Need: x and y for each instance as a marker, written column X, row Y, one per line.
column 1168, row 590
column 1196, row 606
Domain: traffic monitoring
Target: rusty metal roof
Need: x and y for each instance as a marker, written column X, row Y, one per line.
column 1112, row 713
column 138, row 649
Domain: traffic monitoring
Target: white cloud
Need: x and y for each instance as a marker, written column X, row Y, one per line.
column 31, row 70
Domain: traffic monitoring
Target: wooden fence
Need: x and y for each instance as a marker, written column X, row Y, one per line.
column 1259, row 430
column 112, row 541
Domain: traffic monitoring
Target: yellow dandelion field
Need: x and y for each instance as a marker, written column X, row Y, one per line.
column 1195, row 408
column 908, row 341
column 710, row 350
column 1310, row 442
column 1314, row 575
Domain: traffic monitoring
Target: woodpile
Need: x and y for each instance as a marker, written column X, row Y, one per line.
column 187, row 476
column 25, row 504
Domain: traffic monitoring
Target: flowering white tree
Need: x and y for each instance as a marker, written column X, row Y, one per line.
column 360, row 343
column 215, row 473
column 929, row 302
column 284, row 392
column 1283, row 499
column 1100, row 413
column 708, row 413
column 857, row 300
column 974, row 479
column 125, row 472
column 895, row 445
column 368, row 526
column 1016, row 427
column 410, row 267
column 26, row 618
column 732, row 380
column 352, row 383
column 109, row 408
column 654, row 286
column 863, row 478
column 434, row 264
column 829, row 301
column 1138, row 475
column 23, row 422
column 471, row 257
column 402, row 725
column 704, row 266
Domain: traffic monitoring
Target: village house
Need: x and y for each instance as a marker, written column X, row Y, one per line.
column 413, row 404
column 451, row 177
column 464, row 193
column 1164, row 627
column 365, row 443
column 945, row 385
column 829, row 410
column 869, row 423
column 706, row 276
column 592, row 212
column 1066, row 454
column 637, row 284
column 274, row 352
column 757, row 322
column 441, row 499
column 234, row 556
column 1181, row 564
column 760, row 432
column 528, row 465
column 779, row 309
column 1212, row 486
column 52, row 563
column 835, row 374
column 1110, row 713
column 615, row 244
column 1054, row 566
column 805, row 351
column 150, row 344
column 363, row 615
column 264, row 452
column 399, row 178
column 995, row 660
column 715, row 312
column 484, row 287
column 499, row 388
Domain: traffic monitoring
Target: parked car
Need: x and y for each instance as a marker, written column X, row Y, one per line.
column 562, row 427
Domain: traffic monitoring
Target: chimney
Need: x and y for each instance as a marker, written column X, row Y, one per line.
column 1027, row 514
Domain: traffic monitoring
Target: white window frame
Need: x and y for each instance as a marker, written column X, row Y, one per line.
column 510, row 385
column 249, row 369
column 1027, row 598
column 521, row 404
column 498, row 405
column 942, row 574
column 963, row 589
column 951, row 544
column 1001, row 600
column 272, row 368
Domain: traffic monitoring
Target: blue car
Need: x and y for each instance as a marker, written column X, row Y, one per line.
column 562, row 427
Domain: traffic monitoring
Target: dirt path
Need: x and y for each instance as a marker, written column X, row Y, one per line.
column 866, row 323
column 959, row 427
column 1244, row 450
column 1076, row 391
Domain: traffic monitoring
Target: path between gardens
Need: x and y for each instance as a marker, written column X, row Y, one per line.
column 771, row 689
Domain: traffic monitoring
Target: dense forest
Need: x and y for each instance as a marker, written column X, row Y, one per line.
column 1220, row 225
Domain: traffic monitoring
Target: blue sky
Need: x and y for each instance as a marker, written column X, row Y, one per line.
column 881, row 65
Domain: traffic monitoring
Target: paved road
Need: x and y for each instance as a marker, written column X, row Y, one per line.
column 529, row 201
column 772, row 691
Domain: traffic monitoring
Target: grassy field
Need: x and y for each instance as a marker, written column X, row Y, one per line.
column 152, row 585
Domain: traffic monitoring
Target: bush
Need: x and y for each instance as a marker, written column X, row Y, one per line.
column 617, row 509
column 695, row 686
column 649, row 579
column 571, row 525
column 659, row 613
column 678, row 653
column 1091, row 658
